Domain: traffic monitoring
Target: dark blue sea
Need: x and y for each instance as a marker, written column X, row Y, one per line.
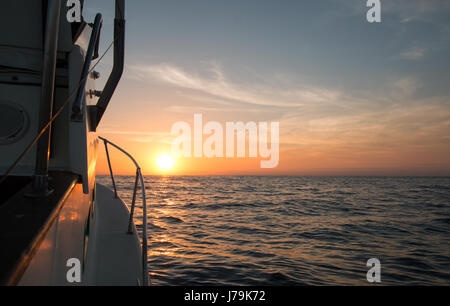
column 265, row 230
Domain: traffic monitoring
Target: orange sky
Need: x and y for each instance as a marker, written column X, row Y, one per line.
column 325, row 153
column 351, row 97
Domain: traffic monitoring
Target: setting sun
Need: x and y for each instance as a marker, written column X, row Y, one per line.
column 165, row 162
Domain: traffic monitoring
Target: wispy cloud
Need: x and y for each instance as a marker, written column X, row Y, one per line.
column 399, row 128
column 140, row 136
column 404, row 88
column 316, row 119
column 218, row 85
column 193, row 109
column 413, row 53
column 411, row 10
column 407, row 10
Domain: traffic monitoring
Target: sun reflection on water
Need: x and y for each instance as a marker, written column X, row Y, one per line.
column 294, row 230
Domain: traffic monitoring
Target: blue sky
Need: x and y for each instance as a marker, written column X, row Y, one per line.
column 348, row 94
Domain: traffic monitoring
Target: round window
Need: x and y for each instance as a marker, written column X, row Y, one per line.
column 13, row 122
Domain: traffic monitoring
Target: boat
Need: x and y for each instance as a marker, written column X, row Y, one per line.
column 58, row 225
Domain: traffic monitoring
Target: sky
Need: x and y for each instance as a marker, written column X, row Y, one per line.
column 351, row 97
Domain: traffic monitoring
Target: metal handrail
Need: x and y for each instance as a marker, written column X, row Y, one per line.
column 40, row 186
column 118, row 65
column 77, row 107
column 140, row 178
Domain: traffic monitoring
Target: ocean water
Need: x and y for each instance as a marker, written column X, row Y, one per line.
column 260, row 230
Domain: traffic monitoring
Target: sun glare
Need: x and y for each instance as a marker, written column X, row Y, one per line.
column 165, row 162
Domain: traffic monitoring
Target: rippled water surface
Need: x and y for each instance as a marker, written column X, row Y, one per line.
column 250, row 230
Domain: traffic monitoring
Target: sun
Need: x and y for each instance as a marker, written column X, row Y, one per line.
column 165, row 162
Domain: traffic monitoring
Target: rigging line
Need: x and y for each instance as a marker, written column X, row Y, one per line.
column 38, row 136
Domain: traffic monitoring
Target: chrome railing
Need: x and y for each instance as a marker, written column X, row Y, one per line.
column 140, row 178
column 77, row 107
